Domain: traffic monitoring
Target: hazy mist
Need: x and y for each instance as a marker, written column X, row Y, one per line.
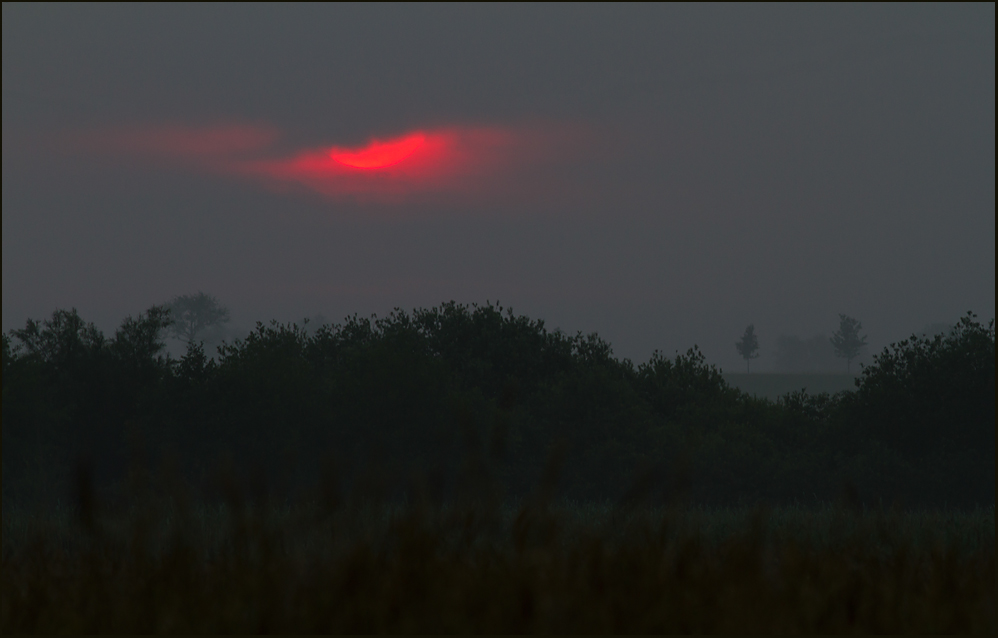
column 773, row 165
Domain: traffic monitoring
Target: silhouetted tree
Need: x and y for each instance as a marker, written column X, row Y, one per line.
column 191, row 314
column 847, row 341
column 451, row 394
column 748, row 346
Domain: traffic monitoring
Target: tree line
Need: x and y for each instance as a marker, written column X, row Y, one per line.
column 847, row 343
column 459, row 398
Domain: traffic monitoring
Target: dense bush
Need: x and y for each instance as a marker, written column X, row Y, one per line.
column 930, row 404
column 463, row 399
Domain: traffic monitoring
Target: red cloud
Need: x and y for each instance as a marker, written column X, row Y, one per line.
column 451, row 162
column 377, row 154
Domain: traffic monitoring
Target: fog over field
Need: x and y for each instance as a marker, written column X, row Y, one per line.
column 662, row 175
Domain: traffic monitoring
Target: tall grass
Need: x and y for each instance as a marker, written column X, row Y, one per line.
column 361, row 566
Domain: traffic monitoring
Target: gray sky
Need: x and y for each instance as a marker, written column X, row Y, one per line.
column 675, row 172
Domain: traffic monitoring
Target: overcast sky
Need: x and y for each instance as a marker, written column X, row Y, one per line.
column 662, row 175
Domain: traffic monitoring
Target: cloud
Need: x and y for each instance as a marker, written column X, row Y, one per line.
column 455, row 164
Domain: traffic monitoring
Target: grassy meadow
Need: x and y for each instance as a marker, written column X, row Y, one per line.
column 354, row 566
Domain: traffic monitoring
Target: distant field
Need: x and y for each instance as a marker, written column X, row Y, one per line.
column 768, row 385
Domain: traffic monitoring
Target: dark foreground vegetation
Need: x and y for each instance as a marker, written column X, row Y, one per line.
column 532, row 567
column 442, row 471
column 460, row 399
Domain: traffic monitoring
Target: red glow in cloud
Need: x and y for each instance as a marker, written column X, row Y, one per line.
column 379, row 154
column 449, row 163
column 454, row 163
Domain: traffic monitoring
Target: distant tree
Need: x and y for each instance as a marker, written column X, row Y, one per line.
column 191, row 314
column 748, row 346
column 847, row 341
